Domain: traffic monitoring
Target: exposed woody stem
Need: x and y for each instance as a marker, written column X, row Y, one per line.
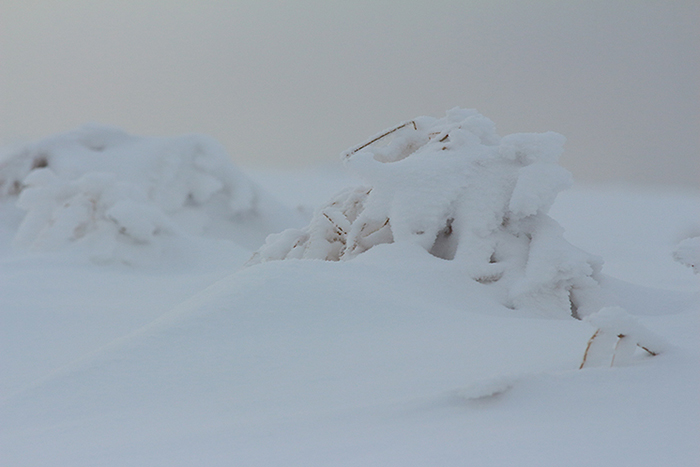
column 387, row 133
column 649, row 351
column 588, row 347
column 619, row 339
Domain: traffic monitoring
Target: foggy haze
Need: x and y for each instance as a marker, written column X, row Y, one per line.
column 292, row 84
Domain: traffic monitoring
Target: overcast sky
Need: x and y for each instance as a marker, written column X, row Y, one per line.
column 296, row 83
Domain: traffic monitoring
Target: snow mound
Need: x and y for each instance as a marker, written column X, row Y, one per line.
column 127, row 198
column 688, row 252
column 463, row 193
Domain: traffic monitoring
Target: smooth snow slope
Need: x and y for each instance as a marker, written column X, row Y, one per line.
column 390, row 359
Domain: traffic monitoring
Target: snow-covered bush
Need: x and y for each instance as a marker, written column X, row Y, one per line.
column 688, row 252
column 617, row 336
column 126, row 197
column 463, row 193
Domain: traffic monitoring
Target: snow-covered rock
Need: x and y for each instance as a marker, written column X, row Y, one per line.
column 463, row 193
column 127, row 198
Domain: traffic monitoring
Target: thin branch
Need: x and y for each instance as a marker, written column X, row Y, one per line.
column 338, row 230
column 386, row 133
column 653, row 354
column 617, row 344
column 588, row 347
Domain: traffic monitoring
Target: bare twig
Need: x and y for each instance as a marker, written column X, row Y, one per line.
column 588, row 347
column 338, row 230
column 653, row 354
column 617, row 344
column 383, row 135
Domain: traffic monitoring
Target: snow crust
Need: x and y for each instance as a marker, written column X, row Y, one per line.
column 463, row 193
column 133, row 199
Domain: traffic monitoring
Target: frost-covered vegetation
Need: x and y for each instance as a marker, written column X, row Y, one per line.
column 617, row 336
column 419, row 334
column 129, row 198
column 463, row 193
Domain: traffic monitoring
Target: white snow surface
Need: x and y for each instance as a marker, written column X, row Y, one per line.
column 392, row 358
column 688, row 252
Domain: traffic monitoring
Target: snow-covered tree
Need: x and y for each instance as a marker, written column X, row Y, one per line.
column 463, row 193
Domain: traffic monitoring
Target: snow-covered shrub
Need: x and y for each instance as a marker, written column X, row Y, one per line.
column 617, row 336
column 688, row 252
column 125, row 196
column 463, row 193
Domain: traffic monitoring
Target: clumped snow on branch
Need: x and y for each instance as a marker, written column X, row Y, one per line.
column 463, row 193
column 131, row 199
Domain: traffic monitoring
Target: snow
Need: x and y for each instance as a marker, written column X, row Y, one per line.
column 133, row 199
column 395, row 356
column 688, row 253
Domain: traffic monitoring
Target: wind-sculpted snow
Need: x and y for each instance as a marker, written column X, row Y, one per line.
column 289, row 363
column 132, row 199
column 463, row 193
column 393, row 358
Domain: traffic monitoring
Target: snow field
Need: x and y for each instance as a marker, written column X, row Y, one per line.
column 394, row 357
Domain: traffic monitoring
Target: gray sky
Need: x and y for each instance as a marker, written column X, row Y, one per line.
column 295, row 83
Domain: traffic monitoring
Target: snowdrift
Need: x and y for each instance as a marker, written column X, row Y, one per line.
column 464, row 194
column 419, row 332
column 329, row 363
column 133, row 199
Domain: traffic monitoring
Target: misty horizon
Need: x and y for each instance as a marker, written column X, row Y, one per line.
column 284, row 85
